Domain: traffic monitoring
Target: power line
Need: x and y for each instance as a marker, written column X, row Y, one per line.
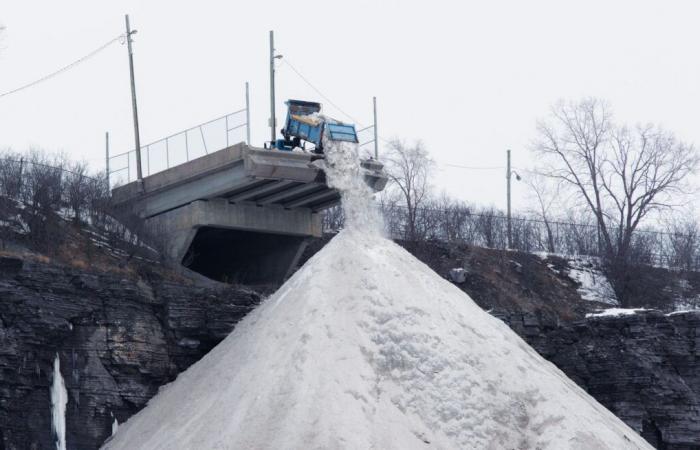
column 472, row 167
column 299, row 74
column 64, row 68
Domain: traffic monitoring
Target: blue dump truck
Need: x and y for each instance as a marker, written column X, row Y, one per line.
column 305, row 125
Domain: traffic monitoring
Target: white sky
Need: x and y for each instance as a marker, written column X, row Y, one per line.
column 468, row 78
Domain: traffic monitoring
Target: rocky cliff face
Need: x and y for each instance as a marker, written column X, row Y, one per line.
column 118, row 340
column 643, row 367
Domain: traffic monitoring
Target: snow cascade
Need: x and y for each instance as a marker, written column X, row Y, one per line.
column 365, row 347
column 59, row 399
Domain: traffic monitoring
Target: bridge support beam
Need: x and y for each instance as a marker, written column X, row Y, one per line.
column 238, row 242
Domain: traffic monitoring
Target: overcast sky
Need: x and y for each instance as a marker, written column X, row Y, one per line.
column 468, row 78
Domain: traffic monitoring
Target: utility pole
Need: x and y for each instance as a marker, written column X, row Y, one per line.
column 107, row 157
column 137, row 138
column 273, row 123
column 247, row 114
column 508, row 175
column 376, row 142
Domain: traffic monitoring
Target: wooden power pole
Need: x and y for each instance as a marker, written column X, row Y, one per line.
column 137, row 138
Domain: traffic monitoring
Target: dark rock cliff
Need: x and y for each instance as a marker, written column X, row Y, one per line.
column 118, row 340
column 643, row 367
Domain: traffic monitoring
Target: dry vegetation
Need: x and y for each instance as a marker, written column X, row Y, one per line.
column 53, row 210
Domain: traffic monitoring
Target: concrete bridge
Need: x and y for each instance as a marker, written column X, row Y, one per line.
column 241, row 214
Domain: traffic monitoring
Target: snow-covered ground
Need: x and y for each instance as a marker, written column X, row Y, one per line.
column 616, row 312
column 684, row 296
column 366, row 347
column 686, row 306
column 593, row 285
column 14, row 222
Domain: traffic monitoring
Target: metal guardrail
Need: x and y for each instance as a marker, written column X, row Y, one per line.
column 180, row 147
column 373, row 137
column 23, row 163
column 365, row 136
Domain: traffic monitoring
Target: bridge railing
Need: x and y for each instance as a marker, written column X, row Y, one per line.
column 181, row 147
column 368, row 135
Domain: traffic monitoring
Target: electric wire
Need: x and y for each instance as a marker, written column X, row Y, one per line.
column 306, row 80
column 458, row 166
column 64, row 68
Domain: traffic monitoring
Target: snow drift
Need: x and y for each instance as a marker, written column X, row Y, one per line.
column 366, row 348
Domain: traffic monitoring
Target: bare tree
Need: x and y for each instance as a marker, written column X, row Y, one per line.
column 333, row 219
column 77, row 188
column 450, row 217
column 11, row 167
column 408, row 167
column 684, row 241
column 489, row 225
column 44, row 181
column 621, row 174
column 3, row 33
column 545, row 192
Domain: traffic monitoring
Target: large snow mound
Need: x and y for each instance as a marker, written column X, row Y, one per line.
column 366, row 348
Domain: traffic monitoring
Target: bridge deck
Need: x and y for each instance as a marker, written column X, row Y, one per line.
column 240, row 174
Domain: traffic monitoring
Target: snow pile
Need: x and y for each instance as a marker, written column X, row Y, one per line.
column 344, row 172
column 366, row 347
column 59, row 399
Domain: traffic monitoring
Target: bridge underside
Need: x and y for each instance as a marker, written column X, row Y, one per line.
column 244, row 257
column 235, row 242
column 240, row 214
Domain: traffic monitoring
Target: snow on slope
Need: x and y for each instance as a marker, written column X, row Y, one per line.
column 615, row 312
column 365, row 347
column 593, row 284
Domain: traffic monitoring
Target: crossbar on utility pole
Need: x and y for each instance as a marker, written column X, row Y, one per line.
column 272, row 88
column 508, row 176
column 137, row 138
column 376, row 142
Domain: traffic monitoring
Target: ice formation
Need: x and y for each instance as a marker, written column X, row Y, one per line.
column 59, row 399
column 365, row 347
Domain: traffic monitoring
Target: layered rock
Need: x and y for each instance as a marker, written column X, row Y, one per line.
column 118, row 337
column 644, row 367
